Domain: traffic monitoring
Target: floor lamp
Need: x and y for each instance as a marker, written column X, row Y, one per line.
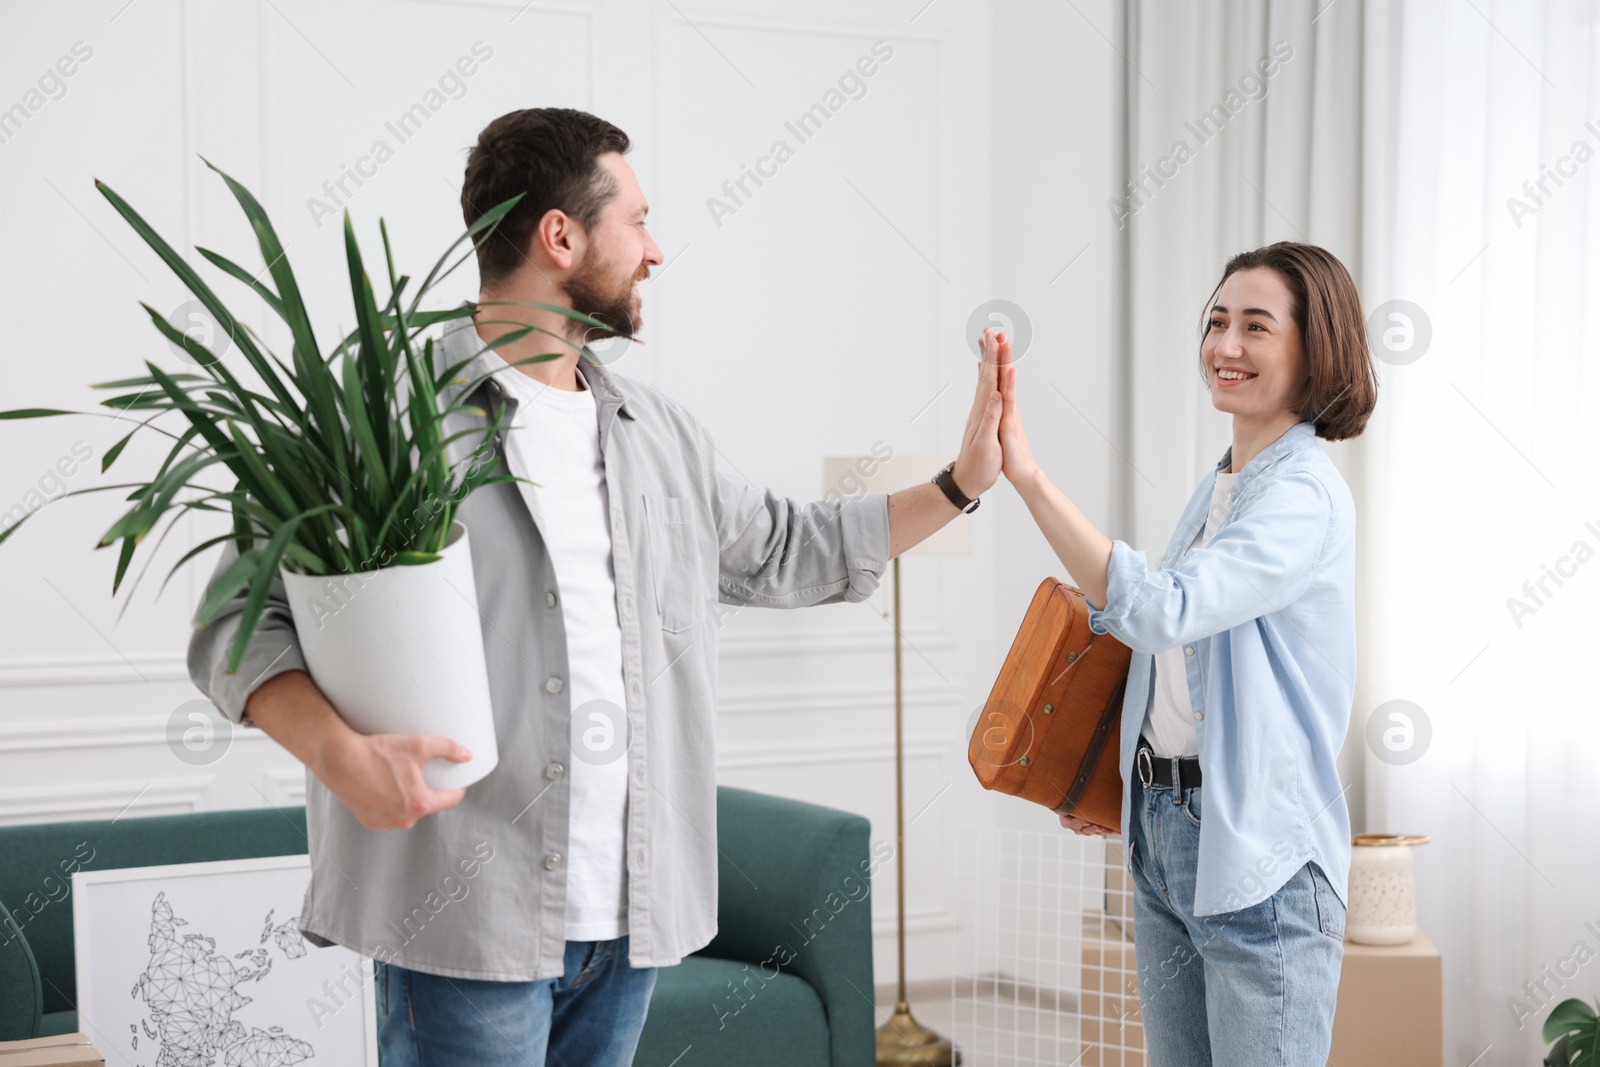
column 901, row 1040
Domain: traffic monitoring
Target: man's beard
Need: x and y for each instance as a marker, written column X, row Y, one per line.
column 593, row 292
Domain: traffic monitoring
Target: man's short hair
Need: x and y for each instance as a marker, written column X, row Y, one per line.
column 549, row 154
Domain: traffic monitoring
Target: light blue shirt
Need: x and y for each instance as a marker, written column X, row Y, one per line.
column 1265, row 614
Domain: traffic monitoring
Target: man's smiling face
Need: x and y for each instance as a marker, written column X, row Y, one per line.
column 618, row 255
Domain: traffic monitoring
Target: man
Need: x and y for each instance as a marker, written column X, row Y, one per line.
column 593, row 863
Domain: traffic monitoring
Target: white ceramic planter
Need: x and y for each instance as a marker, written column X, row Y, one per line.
column 400, row 651
column 1383, row 894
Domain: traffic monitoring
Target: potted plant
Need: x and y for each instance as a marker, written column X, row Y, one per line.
column 1575, row 1029
column 342, row 485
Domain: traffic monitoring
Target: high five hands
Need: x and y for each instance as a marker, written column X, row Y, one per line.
column 1016, row 458
column 993, row 442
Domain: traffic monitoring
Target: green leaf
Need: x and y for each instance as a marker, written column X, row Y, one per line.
column 1570, row 1014
column 123, row 559
column 5, row 535
column 317, row 451
column 571, row 313
column 220, row 314
column 227, row 586
column 129, row 383
column 361, row 431
column 139, row 521
column 35, row 413
column 412, row 559
column 228, row 266
column 210, row 542
column 260, row 586
column 114, row 451
column 376, row 369
column 312, row 376
column 484, row 225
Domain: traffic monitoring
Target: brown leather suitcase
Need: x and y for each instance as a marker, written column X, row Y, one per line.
column 1050, row 729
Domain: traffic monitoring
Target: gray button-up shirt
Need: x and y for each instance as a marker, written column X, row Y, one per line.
column 479, row 891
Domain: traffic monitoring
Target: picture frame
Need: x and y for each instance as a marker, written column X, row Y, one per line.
column 208, row 957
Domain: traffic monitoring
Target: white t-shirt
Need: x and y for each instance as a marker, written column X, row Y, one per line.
column 1169, row 724
column 555, row 441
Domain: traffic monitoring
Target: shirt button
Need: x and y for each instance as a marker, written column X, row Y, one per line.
column 549, row 600
column 1199, row 715
column 552, row 685
column 552, row 861
column 553, row 771
column 627, row 607
column 1188, row 650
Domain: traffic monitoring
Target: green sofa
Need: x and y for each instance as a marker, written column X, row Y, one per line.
column 787, row 981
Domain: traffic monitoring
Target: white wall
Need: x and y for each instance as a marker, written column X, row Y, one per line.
column 823, row 316
column 1056, row 150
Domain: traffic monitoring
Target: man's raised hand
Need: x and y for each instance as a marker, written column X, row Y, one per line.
column 978, row 465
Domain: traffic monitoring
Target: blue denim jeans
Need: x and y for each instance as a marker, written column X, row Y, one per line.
column 589, row 1017
column 1246, row 988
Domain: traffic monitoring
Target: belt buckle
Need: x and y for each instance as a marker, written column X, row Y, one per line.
column 1146, row 768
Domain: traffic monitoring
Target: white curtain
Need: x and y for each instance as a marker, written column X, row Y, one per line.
column 1245, row 126
column 1484, row 476
column 1449, row 152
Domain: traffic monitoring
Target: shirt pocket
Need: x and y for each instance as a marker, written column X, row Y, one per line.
column 675, row 561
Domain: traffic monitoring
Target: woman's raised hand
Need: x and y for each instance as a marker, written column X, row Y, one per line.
column 1016, row 458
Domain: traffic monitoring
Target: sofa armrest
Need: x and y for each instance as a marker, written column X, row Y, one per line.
column 21, row 993
column 794, row 894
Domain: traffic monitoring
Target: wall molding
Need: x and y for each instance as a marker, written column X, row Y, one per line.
column 93, row 670
column 757, row 700
column 284, row 786
column 832, row 642
column 118, row 670
column 103, row 800
column 837, row 21
column 119, row 731
column 738, row 757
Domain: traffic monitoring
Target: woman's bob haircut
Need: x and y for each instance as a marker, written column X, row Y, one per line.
column 1343, row 387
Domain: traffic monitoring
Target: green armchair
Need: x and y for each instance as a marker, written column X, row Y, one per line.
column 787, row 981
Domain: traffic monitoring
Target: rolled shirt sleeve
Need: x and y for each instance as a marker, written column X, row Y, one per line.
column 1257, row 563
column 776, row 552
column 780, row 553
column 274, row 647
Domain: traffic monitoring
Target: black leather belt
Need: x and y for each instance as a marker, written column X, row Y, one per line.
column 1157, row 770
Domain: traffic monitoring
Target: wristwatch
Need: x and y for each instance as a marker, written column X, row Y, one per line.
column 945, row 481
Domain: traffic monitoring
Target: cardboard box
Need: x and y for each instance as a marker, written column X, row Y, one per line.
column 1108, row 1009
column 1391, row 1006
column 63, row 1050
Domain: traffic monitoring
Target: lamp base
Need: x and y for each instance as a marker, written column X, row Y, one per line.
column 903, row 1040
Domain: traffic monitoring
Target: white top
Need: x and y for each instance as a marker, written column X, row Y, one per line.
column 1169, row 724
column 555, row 441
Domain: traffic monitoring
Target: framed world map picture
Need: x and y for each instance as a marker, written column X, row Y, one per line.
column 203, row 963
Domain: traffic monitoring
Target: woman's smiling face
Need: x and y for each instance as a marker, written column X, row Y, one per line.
column 1254, row 364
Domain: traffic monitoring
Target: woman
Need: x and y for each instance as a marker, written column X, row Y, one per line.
column 1240, row 686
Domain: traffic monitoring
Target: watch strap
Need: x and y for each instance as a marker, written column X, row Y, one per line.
column 946, row 481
